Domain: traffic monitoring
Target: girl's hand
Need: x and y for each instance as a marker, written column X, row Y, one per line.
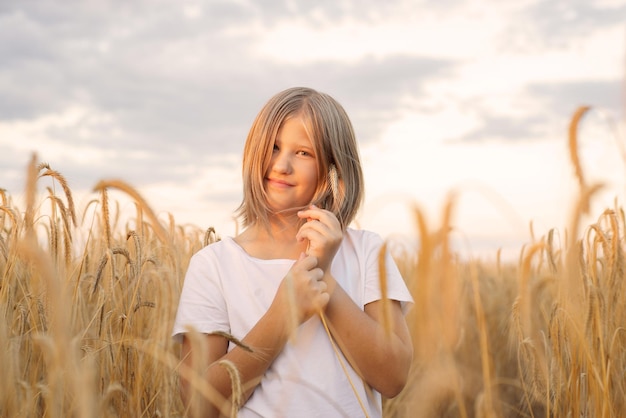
column 303, row 293
column 324, row 233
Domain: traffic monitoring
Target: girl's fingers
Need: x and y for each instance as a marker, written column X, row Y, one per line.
column 310, row 232
column 315, row 213
column 322, row 300
column 308, row 289
column 322, row 221
column 318, row 274
column 306, row 262
column 321, row 227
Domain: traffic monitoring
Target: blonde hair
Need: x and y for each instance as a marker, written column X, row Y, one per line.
column 331, row 132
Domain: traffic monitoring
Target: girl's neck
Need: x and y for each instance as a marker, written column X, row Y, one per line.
column 276, row 241
column 281, row 226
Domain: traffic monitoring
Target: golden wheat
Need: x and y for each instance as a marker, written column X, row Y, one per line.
column 87, row 305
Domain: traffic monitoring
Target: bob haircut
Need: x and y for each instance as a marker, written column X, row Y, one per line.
column 340, row 186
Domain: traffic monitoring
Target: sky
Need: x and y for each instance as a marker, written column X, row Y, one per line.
column 471, row 98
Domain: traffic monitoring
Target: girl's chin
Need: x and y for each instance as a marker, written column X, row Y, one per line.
column 288, row 206
column 285, row 209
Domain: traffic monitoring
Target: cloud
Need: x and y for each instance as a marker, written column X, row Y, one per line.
column 564, row 98
column 558, row 102
column 506, row 128
column 557, row 22
column 151, row 92
column 162, row 94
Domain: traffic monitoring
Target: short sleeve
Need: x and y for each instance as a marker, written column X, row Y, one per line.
column 396, row 286
column 201, row 306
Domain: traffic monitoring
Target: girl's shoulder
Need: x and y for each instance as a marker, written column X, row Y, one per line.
column 228, row 249
column 226, row 246
column 363, row 241
column 363, row 236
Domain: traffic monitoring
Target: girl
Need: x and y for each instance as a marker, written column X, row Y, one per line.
column 294, row 269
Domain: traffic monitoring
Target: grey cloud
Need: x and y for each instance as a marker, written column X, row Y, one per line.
column 181, row 90
column 560, row 101
column 328, row 12
column 564, row 98
column 175, row 88
column 565, row 18
column 554, row 23
column 370, row 89
column 206, row 104
column 503, row 128
column 163, row 77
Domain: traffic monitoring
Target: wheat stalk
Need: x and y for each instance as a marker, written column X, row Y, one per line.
column 236, row 390
column 382, row 277
column 31, row 191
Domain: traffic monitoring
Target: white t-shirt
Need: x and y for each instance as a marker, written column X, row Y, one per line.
column 227, row 290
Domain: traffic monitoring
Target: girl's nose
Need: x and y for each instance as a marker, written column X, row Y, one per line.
column 281, row 163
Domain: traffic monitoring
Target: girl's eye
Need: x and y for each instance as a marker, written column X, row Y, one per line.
column 275, row 147
column 304, row 153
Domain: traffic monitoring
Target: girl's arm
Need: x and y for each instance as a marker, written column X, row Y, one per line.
column 270, row 333
column 301, row 293
column 383, row 359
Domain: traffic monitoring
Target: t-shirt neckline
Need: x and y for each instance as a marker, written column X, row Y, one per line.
column 241, row 250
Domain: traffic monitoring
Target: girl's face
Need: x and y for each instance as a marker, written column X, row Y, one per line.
column 291, row 178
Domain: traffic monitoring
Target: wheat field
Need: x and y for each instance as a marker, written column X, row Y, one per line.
column 88, row 298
